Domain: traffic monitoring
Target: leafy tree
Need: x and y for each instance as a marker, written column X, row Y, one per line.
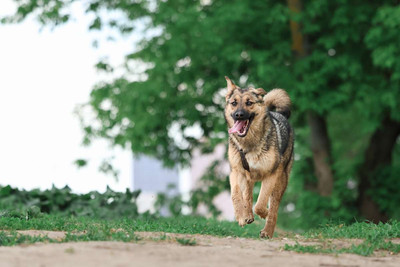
column 338, row 63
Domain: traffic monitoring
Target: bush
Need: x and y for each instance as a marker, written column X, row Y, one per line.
column 62, row 201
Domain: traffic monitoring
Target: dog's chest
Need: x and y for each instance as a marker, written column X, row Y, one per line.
column 256, row 162
column 260, row 162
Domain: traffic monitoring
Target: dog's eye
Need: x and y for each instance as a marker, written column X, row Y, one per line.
column 249, row 103
column 234, row 103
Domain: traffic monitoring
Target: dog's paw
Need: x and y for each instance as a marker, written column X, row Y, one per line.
column 245, row 220
column 264, row 234
column 262, row 212
column 250, row 218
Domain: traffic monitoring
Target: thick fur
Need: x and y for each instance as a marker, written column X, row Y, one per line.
column 267, row 149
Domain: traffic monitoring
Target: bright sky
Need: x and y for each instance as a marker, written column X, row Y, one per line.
column 43, row 76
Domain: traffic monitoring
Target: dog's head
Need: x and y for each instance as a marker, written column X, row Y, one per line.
column 244, row 108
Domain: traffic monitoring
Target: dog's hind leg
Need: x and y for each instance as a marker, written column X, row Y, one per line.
column 238, row 188
column 275, row 198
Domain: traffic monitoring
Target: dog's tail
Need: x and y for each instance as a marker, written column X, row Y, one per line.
column 279, row 101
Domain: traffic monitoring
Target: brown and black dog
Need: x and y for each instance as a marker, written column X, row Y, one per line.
column 260, row 149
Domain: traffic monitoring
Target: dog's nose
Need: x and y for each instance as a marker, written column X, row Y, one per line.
column 238, row 114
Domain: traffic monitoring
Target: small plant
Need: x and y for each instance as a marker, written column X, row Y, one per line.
column 162, row 237
column 186, row 241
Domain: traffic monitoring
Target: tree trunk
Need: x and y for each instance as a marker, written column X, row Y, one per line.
column 378, row 154
column 320, row 147
column 320, row 144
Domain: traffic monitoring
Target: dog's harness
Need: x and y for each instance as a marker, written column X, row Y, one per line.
column 245, row 164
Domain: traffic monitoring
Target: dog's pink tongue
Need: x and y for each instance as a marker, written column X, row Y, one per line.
column 236, row 127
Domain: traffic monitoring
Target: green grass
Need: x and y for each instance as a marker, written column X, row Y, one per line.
column 13, row 238
column 90, row 229
column 366, row 248
column 180, row 224
column 374, row 238
column 361, row 230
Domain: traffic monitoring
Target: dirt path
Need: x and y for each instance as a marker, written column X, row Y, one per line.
column 209, row 251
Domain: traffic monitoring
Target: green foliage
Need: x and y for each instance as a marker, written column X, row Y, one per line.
column 212, row 183
column 80, row 163
column 172, row 202
column 28, row 204
column 107, row 167
column 382, row 39
column 386, row 183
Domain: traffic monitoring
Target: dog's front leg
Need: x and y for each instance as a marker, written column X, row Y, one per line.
column 275, row 198
column 240, row 188
column 247, row 188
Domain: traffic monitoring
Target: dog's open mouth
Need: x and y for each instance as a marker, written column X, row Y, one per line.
column 241, row 127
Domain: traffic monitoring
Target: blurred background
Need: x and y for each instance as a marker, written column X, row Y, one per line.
column 109, row 95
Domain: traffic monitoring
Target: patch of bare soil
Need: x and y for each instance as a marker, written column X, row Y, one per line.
column 159, row 249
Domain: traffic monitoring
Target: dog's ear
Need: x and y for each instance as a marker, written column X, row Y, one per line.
column 231, row 87
column 260, row 92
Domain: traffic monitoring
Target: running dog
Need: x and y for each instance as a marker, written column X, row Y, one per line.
column 260, row 149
